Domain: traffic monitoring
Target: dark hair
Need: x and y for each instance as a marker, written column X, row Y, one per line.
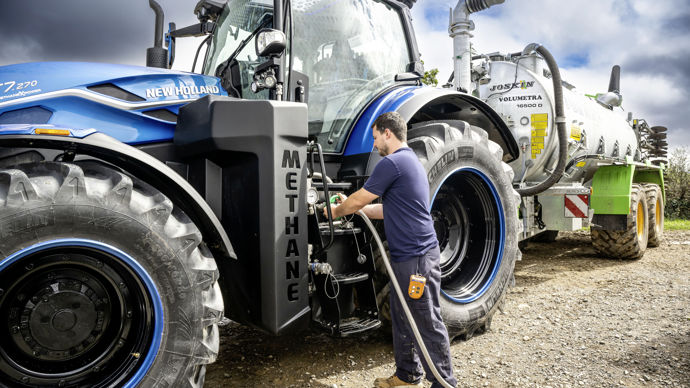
column 394, row 122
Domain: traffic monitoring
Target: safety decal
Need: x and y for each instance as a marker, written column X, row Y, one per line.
column 540, row 122
column 576, row 205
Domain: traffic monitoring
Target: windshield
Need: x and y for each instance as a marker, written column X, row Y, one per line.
column 350, row 50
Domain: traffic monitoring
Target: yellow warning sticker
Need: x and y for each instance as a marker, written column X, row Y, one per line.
column 581, row 164
column 540, row 117
column 539, row 124
column 575, row 132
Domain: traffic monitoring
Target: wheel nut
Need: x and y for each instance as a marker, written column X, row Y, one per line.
column 61, row 383
column 29, row 267
column 15, row 329
column 129, row 314
column 27, row 339
column 122, row 285
column 25, row 379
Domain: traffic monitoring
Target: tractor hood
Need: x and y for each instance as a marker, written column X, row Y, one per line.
column 137, row 83
column 133, row 104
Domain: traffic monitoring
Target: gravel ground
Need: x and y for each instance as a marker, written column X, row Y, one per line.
column 572, row 320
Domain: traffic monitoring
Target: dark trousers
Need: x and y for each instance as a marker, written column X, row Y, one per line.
column 427, row 315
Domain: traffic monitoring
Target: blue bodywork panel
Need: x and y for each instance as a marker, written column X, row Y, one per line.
column 58, row 94
column 61, row 90
column 361, row 139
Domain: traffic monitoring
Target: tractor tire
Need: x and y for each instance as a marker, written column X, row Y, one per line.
column 102, row 282
column 655, row 209
column 474, row 207
column 629, row 244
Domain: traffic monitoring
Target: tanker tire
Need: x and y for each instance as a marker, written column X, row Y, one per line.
column 628, row 244
column 462, row 166
column 655, row 210
column 104, row 219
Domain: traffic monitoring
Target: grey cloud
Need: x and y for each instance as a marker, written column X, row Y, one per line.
column 675, row 116
column 82, row 30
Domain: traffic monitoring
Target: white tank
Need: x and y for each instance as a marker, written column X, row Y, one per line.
column 523, row 95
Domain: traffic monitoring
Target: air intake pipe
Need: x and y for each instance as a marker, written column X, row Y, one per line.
column 559, row 119
column 459, row 29
column 157, row 56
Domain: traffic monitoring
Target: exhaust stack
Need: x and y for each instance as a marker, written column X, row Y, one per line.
column 613, row 97
column 157, row 56
column 459, row 29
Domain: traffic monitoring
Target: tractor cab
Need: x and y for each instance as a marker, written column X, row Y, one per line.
column 342, row 54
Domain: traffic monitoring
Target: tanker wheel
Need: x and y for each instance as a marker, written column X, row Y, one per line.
column 631, row 242
column 103, row 282
column 655, row 209
column 474, row 208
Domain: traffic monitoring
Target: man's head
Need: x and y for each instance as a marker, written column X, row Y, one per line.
column 390, row 132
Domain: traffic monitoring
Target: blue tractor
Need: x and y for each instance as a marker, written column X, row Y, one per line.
column 141, row 205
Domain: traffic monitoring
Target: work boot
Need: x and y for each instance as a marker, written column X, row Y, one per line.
column 393, row 381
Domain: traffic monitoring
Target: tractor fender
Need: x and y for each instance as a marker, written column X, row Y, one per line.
column 144, row 167
column 422, row 104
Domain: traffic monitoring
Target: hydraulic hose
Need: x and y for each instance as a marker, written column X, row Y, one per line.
column 560, row 122
column 398, row 292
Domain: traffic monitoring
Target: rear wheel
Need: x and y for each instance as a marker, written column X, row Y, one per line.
column 474, row 208
column 655, row 209
column 103, row 283
column 631, row 242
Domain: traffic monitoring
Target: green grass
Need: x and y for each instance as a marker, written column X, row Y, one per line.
column 677, row 224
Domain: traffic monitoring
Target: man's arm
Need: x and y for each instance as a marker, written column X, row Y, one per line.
column 374, row 211
column 352, row 204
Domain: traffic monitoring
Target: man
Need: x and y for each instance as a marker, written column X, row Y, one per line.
column 399, row 178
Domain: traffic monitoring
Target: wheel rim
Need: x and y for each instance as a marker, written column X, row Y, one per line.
column 469, row 222
column 640, row 222
column 77, row 312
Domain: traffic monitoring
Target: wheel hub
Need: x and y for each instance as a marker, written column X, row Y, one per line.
column 71, row 316
column 467, row 218
column 65, row 323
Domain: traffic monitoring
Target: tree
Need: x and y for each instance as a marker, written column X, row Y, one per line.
column 677, row 184
column 430, row 77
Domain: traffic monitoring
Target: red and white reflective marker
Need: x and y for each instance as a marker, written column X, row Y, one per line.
column 576, row 205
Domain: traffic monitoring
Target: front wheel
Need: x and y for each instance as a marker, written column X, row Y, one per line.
column 474, row 208
column 103, row 282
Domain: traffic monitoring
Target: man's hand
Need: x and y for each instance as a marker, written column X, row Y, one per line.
column 341, row 198
column 356, row 201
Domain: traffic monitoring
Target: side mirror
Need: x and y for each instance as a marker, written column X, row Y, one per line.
column 270, row 42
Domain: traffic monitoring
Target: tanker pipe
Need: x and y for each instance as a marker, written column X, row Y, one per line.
column 459, row 29
column 559, row 119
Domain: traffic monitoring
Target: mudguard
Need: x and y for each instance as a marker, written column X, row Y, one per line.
column 417, row 104
column 136, row 162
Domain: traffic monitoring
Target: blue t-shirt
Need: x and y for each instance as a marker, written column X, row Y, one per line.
column 400, row 180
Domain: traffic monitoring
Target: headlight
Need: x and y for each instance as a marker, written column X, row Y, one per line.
column 270, row 42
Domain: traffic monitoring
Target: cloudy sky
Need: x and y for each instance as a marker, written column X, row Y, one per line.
column 650, row 39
